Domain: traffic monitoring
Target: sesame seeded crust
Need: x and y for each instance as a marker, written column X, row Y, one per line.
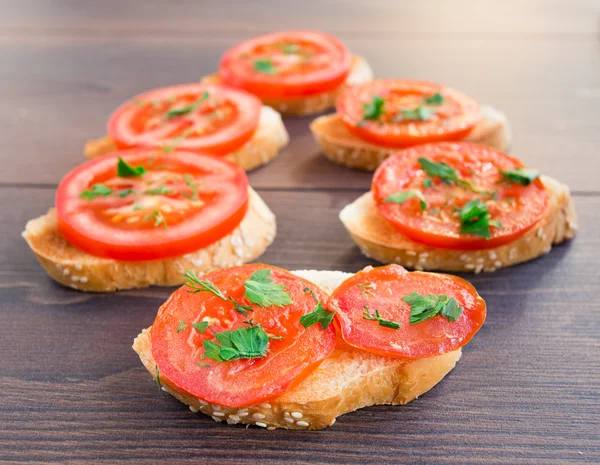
column 265, row 144
column 341, row 146
column 79, row 270
column 299, row 106
column 379, row 240
column 345, row 381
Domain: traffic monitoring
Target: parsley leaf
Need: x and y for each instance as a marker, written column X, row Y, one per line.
column 318, row 315
column 373, row 110
column 243, row 309
column 435, row 99
column 424, row 307
column 125, row 170
column 158, row 379
column 182, row 326
column 308, row 289
column 201, row 326
column 427, row 183
column 261, row 290
column 475, row 219
column 365, row 288
column 265, row 66
column 521, row 176
column 289, row 48
column 401, row 197
column 158, row 218
column 203, row 365
column 125, row 193
column 234, row 345
column 160, row 190
column 446, row 173
column 97, row 190
column 420, row 113
column 187, row 109
column 198, row 285
column 367, row 315
column 191, row 183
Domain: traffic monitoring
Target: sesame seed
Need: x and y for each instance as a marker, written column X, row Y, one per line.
column 418, row 268
column 75, row 278
column 297, row 415
column 289, row 420
column 423, row 255
column 216, row 418
column 232, row 422
column 261, row 424
column 258, row 416
column 409, row 264
column 202, row 402
column 234, row 417
column 265, row 405
column 493, row 255
column 216, row 408
column 286, row 414
column 66, row 272
column 540, row 232
column 469, row 266
column 83, row 279
column 479, row 269
column 195, row 410
column 479, row 260
column 218, row 414
column 302, row 423
column 242, row 414
column 411, row 252
column 271, row 428
column 78, row 266
column 497, row 263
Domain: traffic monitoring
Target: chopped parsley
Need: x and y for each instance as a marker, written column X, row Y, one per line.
column 203, row 365
column 401, row 197
column 156, row 216
column 290, row 48
column 187, row 109
column 446, row 173
column 308, row 289
column 475, row 219
column 182, row 326
column 160, row 190
column 201, row 326
column 158, row 379
column 243, row 309
column 265, row 66
column 97, row 190
column 318, row 315
column 261, row 290
column 234, row 345
column 125, row 193
column 367, row 315
column 365, row 288
column 125, row 170
column 424, row 307
column 521, row 176
column 421, row 113
column 372, row 110
column 435, row 99
column 199, row 285
column 191, row 183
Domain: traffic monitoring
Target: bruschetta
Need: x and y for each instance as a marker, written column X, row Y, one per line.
column 143, row 217
column 459, row 207
column 376, row 119
column 196, row 117
column 294, row 72
column 259, row 345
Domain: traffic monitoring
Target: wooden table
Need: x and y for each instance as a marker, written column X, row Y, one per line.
column 527, row 389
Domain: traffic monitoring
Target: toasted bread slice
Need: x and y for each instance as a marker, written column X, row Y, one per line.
column 341, row 146
column 268, row 139
column 310, row 105
column 79, row 270
column 347, row 380
column 379, row 240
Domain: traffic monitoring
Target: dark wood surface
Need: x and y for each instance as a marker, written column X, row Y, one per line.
column 527, row 390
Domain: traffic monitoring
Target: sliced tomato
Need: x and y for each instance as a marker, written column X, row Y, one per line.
column 293, row 351
column 409, row 115
column 286, row 64
column 183, row 202
column 513, row 208
column 382, row 290
column 193, row 117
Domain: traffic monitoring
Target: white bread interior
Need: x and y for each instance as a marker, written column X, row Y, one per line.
column 345, row 148
column 347, row 380
column 79, row 270
column 266, row 142
column 379, row 240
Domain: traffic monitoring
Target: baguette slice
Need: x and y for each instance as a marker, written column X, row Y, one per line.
column 79, row 270
column 360, row 71
column 379, row 240
column 341, row 146
column 347, row 380
column 268, row 139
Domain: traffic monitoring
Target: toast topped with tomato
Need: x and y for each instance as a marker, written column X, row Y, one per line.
column 143, row 217
column 294, row 72
column 199, row 118
column 376, row 119
column 459, row 207
column 263, row 346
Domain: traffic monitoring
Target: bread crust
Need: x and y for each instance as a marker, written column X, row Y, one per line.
column 379, row 240
column 343, row 147
column 79, row 270
column 266, row 143
column 360, row 71
column 348, row 379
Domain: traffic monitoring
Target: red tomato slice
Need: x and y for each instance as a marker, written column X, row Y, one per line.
column 517, row 208
column 286, row 64
column 399, row 123
column 295, row 353
column 183, row 202
column 382, row 289
column 193, row 117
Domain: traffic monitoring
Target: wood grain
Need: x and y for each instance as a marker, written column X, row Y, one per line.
column 527, row 390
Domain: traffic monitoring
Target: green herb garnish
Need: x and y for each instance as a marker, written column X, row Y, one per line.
column 367, row 315
column 427, row 183
column 265, row 66
column 97, row 190
column 199, row 285
column 289, row 48
column 160, row 190
column 125, row 170
column 365, row 288
column 201, row 326
column 234, row 345
column 187, row 109
column 475, row 219
column 182, row 326
column 125, row 193
column 308, row 289
column 203, row 365
column 401, row 197
column 435, row 99
column 261, row 290
column 446, row 173
column 420, row 113
column 243, row 309
column 156, row 216
column 521, row 176
column 191, row 183
column 372, row 110
column 158, row 383
column 318, row 315
column 424, row 307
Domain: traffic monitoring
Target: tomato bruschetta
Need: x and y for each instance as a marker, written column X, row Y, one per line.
column 294, row 72
column 263, row 346
column 142, row 217
column 456, row 206
column 376, row 119
column 203, row 118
